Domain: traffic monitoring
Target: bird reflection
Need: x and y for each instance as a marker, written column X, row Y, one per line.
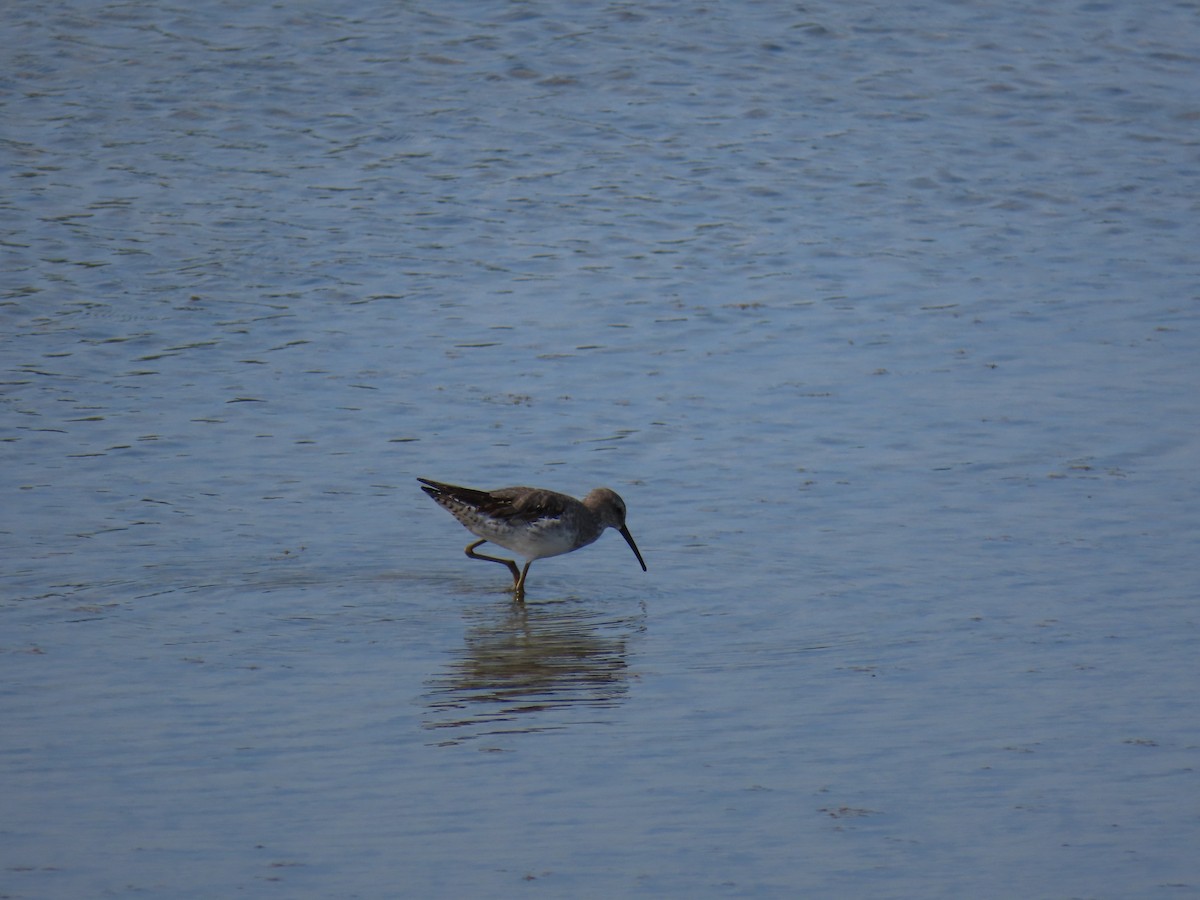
column 525, row 669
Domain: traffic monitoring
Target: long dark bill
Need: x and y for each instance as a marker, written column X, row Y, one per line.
column 632, row 546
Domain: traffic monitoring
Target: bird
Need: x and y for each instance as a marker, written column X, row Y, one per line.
column 532, row 522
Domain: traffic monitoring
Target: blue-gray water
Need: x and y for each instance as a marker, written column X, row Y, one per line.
column 883, row 319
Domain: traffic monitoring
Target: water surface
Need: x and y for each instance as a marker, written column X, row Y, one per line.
column 883, row 321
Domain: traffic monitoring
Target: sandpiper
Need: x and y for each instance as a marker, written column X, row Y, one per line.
column 531, row 522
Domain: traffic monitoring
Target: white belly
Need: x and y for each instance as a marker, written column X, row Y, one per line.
column 536, row 540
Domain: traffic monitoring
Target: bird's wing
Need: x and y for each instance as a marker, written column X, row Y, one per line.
column 514, row 504
column 523, row 504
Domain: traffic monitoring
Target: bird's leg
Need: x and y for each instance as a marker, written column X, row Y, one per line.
column 519, row 589
column 512, row 566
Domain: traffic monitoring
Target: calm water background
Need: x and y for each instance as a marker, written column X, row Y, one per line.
column 882, row 318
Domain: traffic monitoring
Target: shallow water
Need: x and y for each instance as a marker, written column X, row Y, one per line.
column 883, row 321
